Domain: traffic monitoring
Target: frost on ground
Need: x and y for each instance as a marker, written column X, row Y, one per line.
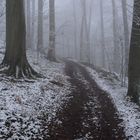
column 128, row 111
column 25, row 105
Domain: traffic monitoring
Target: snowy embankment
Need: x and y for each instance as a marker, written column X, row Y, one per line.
column 128, row 111
column 25, row 105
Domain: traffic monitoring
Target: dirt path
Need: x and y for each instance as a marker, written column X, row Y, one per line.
column 90, row 113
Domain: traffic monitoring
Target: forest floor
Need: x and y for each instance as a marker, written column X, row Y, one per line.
column 71, row 102
column 28, row 106
column 90, row 114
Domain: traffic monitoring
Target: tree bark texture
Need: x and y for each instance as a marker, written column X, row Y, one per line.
column 15, row 56
column 134, row 56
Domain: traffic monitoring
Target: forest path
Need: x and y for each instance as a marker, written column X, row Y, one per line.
column 90, row 113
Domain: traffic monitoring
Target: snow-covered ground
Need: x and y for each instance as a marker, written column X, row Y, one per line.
column 24, row 105
column 128, row 111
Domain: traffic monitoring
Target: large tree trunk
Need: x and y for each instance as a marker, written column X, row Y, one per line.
column 51, row 49
column 15, row 56
column 134, row 56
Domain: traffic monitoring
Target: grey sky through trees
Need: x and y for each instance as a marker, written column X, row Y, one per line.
column 64, row 71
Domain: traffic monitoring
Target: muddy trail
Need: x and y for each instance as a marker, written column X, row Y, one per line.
column 90, row 113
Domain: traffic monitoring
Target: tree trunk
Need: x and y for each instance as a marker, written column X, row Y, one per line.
column 102, row 34
column 75, row 29
column 28, row 24
column 15, row 58
column 82, row 39
column 51, row 49
column 40, row 27
column 134, row 56
column 85, row 34
column 33, row 23
column 115, row 40
column 126, row 34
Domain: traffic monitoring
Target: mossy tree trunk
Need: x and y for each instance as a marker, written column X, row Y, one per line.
column 134, row 56
column 15, row 58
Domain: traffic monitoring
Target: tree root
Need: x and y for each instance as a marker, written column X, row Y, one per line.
column 24, row 71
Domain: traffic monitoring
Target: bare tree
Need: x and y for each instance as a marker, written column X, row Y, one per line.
column 134, row 56
column 15, row 58
column 33, row 23
column 85, row 34
column 116, row 64
column 28, row 23
column 40, row 27
column 81, row 39
column 51, row 49
column 102, row 34
column 75, row 28
column 126, row 34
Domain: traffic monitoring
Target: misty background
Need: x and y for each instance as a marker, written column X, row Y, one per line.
column 68, row 18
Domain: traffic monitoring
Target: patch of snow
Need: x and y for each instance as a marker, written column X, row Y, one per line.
column 128, row 111
column 24, row 105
